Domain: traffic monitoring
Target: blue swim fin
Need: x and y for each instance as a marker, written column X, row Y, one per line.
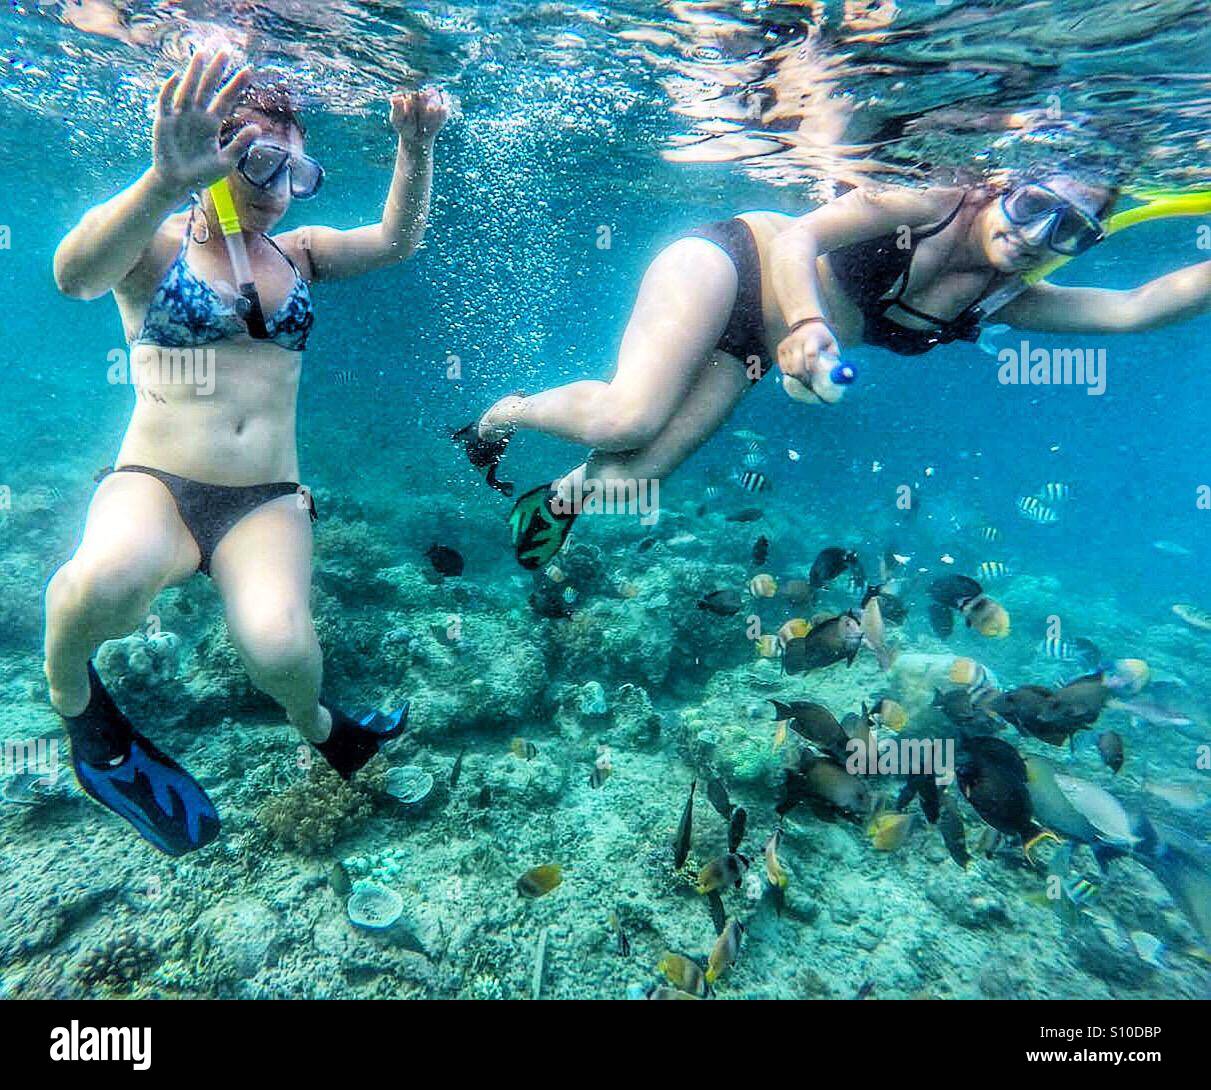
column 125, row 773
column 353, row 742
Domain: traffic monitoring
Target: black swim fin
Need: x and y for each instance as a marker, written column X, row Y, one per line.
column 119, row 768
column 484, row 454
column 353, row 742
column 538, row 531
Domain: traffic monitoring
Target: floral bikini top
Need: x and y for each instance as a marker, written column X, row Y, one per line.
column 186, row 311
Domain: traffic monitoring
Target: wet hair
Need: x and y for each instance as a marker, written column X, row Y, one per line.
column 272, row 102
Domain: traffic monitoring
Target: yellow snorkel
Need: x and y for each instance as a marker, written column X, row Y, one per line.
column 1156, row 204
column 233, row 236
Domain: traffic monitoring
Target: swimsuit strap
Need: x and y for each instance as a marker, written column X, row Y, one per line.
column 298, row 275
column 917, row 237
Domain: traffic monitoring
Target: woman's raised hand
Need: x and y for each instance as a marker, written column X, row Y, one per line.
column 185, row 136
column 418, row 116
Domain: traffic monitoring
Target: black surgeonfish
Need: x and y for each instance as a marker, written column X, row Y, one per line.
column 828, row 642
column 681, row 842
column 831, row 562
column 724, row 603
column 826, row 786
column 992, row 777
column 815, row 723
column 923, row 786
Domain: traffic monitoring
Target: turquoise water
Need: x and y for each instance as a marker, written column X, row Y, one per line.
column 571, row 120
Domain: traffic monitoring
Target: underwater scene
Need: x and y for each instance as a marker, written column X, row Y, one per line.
column 605, row 500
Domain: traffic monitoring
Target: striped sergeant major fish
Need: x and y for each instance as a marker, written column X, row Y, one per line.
column 991, row 570
column 989, row 533
column 1082, row 651
column 752, row 481
column 1034, row 509
column 1054, row 492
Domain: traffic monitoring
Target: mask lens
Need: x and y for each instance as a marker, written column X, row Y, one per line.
column 1029, row 203
column 305, row 177
column 261, row 164
column 1073, row 233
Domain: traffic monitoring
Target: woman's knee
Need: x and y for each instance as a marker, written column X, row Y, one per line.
column 278, row 644
column 624, row 425
column 113, row 594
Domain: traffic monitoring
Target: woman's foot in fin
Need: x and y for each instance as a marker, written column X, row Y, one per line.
column 539, row 527
column 485, row 441
column 119, row 768
column 500, row 421
column 352, row 742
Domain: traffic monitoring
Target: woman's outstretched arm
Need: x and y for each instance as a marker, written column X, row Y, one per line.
column 336, row 254
column 1174, row 297
column 102, row 249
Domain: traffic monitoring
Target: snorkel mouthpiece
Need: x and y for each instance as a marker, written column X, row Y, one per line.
column 233, row 236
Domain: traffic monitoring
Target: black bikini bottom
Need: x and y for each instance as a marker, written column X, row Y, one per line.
column 744, row 336
column 210, row 510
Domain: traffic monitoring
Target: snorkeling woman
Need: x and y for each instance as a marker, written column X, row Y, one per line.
column 206, row 476
column 897, row 268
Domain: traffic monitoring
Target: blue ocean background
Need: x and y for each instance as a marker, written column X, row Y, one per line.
column 512, row 285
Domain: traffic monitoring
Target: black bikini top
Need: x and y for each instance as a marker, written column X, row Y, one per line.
column 869, row 271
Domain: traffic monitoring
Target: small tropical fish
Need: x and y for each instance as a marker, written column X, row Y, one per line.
column 988, row 617
column 1110, row 748
column 735, row 829
column 1193, row 616
column 989, row 534
column 457, row 770
column 991, row 570
column 753, row 481
column 763, row 586
column 798, row 590
column 748, row 435
column 599, row 775
column 345, row 377
column 767, row 646
column 624, row 944
column 539, row 881
column 1178, row 795
column 445, row 561
column 1034, row 510
column 888, row 831
column 716, row 792
column 555, row 573
column 1080, row 891
column 954, row 836
column 760, row 550
column 683, row 973
column 754, row 459
column 1054, row 492
column 890, row 714
column 670, row 993
column 726, row 950
column 831, row 562
column 1150, row 949
column 780, row 733
column 794, row 629
column 1171, row 548
column 724, row 603
column 1079, row 650
column 527, row 751
column 972, row 675
column 775, row 872
column 681, row 842
column 726, row 870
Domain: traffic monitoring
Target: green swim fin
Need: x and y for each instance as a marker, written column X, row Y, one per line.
column 538, row 531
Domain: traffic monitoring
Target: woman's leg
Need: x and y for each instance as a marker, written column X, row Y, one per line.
column 262, row 569
column 682, row 308
column 134, row 545
column 715, row 393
